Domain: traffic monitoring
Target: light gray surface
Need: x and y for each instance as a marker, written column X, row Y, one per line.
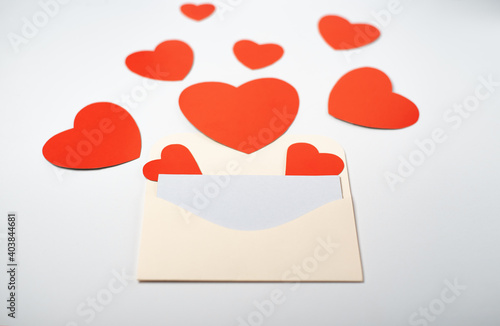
column 78, row 229
column 243, row 202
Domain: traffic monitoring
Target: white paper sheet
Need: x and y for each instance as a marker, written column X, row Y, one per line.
column 249, row 202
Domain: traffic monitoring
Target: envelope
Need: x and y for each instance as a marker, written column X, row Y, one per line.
column 244, row 220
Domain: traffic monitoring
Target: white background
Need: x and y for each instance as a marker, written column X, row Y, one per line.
column 76, row 229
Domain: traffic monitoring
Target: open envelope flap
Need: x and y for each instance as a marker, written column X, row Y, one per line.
column 249, row 202
column 178, row 245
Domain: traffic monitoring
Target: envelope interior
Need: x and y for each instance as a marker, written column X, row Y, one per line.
column 249, row 202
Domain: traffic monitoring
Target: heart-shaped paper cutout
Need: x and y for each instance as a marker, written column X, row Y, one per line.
column 197, row 12
column 256, row 56
column 305, row 159
column 364, row 97
column 104, row 135
column 170, row 61
column 175, row 159
column 340, row 34
column 245, row 118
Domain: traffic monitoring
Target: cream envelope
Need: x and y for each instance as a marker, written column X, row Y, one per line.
column 243, row 220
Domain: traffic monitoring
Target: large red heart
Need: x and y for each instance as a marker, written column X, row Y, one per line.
column 256, row 56
column 175, row 159
column 364, row 97
column 340, row 34
column 305, row 159
column 104, row 134
column 245, row 118
column 170, row 61
column 197, row 12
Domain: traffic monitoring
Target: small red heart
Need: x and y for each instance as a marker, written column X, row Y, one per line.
column 305, row 159
column 340, row 34
column 170, row 61
column 245, row 118
column 197, row 12
column 256, row 56
column 364, row 97
column 175, row 159
column 104, row 135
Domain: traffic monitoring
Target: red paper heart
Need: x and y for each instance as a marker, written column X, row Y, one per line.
column 175, row 159
column 305, row 159
column 256, row 56
column 104, row 135
column 245, row 118
column 197, row 12
column 364, row 97
column 340, row 34
column 170, row 61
